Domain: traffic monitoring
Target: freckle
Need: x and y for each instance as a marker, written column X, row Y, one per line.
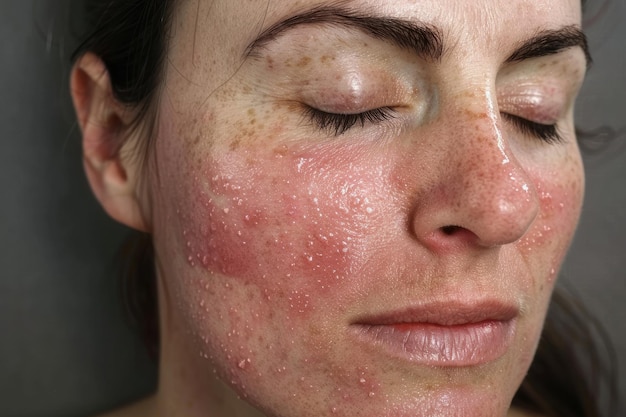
column 474, row 115
column 304, row 62
column 281, row 150
column 290, row 107
column 234, row 145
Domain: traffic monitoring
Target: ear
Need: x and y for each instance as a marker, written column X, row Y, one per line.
column 111, row 170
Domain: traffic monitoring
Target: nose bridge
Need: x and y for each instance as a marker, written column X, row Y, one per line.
column 481, row 149
column 498, row 201
column 481, row 193
column 475, row 114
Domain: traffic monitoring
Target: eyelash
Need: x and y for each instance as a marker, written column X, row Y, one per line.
column 547, row 133
column 337, row 123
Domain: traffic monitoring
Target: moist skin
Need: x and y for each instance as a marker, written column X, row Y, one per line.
column 274, row 238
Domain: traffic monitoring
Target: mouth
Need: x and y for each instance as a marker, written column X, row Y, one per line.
column 442, row 334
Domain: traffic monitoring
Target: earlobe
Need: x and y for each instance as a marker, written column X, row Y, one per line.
column 105, row 123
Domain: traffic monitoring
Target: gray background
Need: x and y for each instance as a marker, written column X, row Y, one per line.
column 65, row 349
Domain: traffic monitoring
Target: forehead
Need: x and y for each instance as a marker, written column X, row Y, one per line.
column 210, row 37
column 237, row 23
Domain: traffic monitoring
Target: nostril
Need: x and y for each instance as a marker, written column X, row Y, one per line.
column 450, row 230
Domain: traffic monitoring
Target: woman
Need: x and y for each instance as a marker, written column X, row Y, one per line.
column 357, row 208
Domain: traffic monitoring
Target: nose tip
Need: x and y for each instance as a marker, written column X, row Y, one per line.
column 483, row 204
column 501, row 210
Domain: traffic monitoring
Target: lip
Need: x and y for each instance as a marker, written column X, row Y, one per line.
column 442, row 334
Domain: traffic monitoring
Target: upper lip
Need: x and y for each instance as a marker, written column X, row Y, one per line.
column 444, row 313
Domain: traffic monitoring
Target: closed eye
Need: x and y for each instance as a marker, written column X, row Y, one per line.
column 337, row 123
column 548, row 133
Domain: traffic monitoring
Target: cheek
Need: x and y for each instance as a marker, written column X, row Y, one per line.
column 274, row 241
column 559, row 193
column 287, row 222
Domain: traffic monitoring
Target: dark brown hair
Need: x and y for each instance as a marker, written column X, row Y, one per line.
column 131, row 38
column 573, row 373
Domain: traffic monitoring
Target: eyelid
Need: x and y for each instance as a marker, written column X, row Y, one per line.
column 543, row 104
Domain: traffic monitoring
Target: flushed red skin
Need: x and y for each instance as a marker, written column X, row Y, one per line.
column 329, row 232
column 274, row 240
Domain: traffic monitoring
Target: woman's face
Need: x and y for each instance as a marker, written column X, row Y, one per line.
column 360, row 207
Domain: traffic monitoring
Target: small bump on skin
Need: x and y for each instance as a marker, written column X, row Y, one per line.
column 273, row 235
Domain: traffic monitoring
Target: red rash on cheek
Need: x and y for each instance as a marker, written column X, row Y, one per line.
column 291, row 223
column 560, row 203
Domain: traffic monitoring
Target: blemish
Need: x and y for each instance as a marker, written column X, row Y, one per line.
column 243, row 363
column 281, row 151
column 234, row 145
column 475, row 115
column 303, row 62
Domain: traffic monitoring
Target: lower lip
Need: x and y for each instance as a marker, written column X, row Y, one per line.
column 462, row 345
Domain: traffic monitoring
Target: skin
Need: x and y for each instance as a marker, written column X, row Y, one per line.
column 274, row 236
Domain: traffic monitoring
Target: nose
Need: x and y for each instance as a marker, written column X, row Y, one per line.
column 480, row 194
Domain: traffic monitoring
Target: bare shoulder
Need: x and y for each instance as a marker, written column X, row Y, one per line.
column 140, row 408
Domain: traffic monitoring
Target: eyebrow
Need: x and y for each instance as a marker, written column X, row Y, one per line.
column 424, row 40
column 550, row 42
